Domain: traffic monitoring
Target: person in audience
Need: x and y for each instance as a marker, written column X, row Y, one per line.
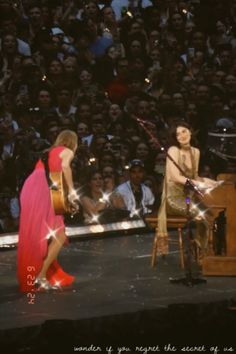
column 97, row 197
column 179, row 66
column 137, row 196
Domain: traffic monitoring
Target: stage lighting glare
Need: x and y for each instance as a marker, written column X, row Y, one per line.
column 135, row 212
column 94, row 218
column 125, row 225
column 201, row 214
column 54, row 185
column 96, row 228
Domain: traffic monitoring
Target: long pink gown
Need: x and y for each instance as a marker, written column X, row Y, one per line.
column 37, row 219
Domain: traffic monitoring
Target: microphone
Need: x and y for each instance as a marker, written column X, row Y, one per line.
column 189, row 185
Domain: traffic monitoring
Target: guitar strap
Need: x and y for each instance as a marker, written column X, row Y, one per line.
column 44, row 159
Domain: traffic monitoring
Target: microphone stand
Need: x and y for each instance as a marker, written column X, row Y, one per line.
column 189, row 186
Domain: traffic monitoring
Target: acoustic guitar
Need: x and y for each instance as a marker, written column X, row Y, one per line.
column 59, row 193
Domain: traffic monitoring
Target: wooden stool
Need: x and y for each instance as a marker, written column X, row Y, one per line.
column 177, row 222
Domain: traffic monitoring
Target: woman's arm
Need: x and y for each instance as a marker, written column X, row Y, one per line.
column 67, row 156
column 172, row 172
column 203, row 181
column 117, row 201
column 207, row 182
column 90, row 207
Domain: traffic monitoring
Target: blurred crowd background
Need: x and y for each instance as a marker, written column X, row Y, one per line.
column 95, row 67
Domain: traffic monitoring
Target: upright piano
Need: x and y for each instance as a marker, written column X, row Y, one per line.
column 223, row 198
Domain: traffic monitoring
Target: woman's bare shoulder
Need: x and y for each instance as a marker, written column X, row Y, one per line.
column 66, row 153
column 196, row 150
column 173, row 150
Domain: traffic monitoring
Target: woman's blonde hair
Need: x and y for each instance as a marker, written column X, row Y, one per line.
column 67, row 138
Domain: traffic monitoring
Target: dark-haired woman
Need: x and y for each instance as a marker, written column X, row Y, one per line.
column 173, row 195
column 42, row 232
column 95, row 199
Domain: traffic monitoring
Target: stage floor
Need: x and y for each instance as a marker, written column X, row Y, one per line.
column 113, row 276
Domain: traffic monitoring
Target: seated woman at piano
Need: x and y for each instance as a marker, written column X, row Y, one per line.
column 181, row 172
column 98, row 199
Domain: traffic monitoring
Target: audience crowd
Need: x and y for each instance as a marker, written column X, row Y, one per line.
column 120, row 73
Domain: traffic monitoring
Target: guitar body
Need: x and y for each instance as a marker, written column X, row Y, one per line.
column 59, row 194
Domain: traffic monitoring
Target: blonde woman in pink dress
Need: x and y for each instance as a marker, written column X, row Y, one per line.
column 41, row 231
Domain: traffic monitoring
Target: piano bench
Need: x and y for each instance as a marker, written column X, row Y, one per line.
column 176, row 222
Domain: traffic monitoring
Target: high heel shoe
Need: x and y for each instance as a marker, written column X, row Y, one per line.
column 43, row 284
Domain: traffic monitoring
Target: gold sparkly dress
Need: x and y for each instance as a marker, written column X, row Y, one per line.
column 174, row 204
